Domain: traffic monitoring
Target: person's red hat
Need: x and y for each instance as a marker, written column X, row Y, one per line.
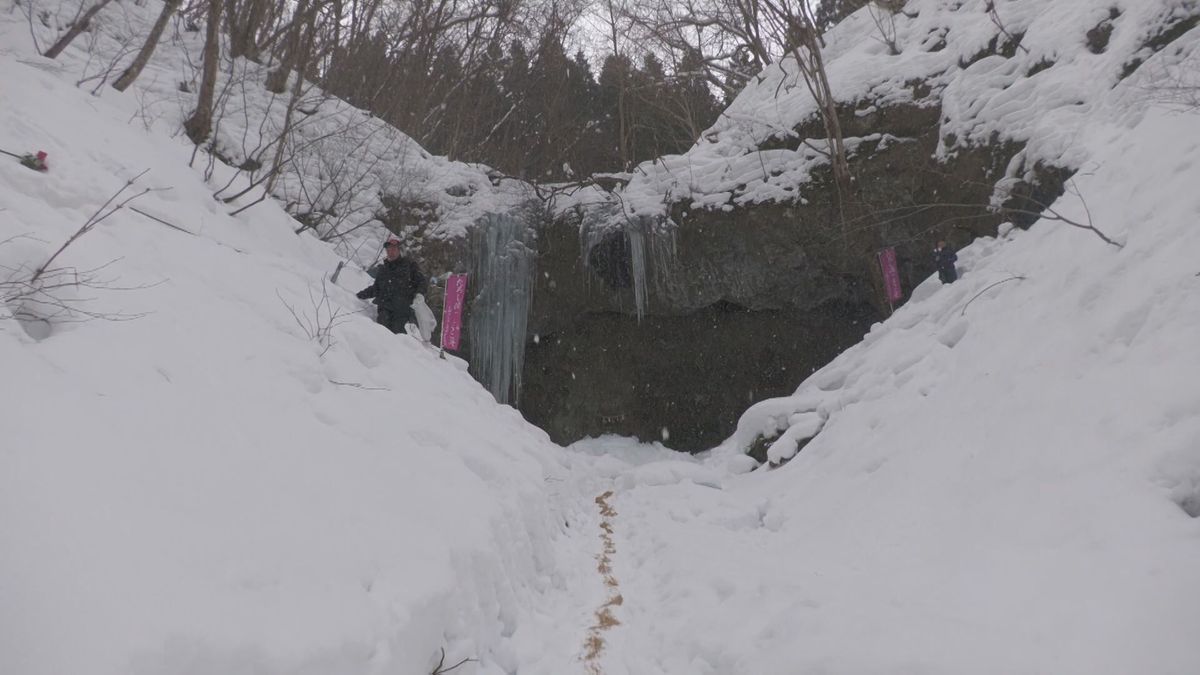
column 392, row 241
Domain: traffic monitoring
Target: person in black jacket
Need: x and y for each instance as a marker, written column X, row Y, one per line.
column 944, row 259
column 397, row 282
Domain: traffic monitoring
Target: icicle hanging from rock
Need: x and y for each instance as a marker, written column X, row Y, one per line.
column 629, row 255
column 635, row 230
column 504, row 256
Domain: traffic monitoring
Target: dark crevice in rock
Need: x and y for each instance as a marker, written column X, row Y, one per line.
column 611, row 260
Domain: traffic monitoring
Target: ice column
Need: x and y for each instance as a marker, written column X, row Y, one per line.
column 504, row 256
column 635, row 230
column 644, row 251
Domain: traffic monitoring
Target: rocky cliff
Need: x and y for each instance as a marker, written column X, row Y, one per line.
column 751, row 272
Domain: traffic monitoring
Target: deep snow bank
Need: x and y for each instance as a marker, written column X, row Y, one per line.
column 206, row 488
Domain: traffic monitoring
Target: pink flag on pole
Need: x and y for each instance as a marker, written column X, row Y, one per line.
column 456, row 294
column 891, row 274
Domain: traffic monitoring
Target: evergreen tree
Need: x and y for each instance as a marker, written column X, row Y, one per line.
column 584, row 156
column 441, row 117
column 509, row 130
column 698, row 106
column 615, row 103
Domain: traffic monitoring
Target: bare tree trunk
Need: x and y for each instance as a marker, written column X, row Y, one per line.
column 794, row 24
column 76, row 28
column 305, row 47
column 131, row 73
column 277, row 79
column 833, row 126
column 244, row 25
column 199, row 125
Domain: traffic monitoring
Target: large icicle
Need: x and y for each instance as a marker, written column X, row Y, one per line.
column 504, row 264
column 636, row 231
column 629, row 255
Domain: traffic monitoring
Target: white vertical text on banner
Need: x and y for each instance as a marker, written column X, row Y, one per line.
column 452, row 308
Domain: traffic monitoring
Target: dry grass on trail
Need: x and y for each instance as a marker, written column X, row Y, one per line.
column 593, row 646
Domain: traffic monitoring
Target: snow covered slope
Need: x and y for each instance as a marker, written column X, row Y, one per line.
column 204, row 487
column 1004, row 478
column 339, row 162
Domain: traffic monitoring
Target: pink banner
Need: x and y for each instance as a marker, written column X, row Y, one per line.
column 452, row 307
column 891, row 274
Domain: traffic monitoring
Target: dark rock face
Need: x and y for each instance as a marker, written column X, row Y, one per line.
column 682, row 379
column 754, row 298
column 744, row 304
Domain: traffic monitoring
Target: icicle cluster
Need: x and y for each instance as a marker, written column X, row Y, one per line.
column 646, row 251
column 504, row 258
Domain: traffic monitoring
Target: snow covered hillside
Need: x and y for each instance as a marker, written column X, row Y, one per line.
column 339, row 162
column 211, row 481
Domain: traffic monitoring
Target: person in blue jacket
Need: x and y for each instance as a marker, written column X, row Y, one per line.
column 944, row 259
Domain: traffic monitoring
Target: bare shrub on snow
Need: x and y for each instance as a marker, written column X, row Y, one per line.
column 320, row 318
column 50, row 293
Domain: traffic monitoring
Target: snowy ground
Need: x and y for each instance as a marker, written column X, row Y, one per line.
column 1003, row 480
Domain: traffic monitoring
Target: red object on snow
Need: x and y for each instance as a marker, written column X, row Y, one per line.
column 41, row 160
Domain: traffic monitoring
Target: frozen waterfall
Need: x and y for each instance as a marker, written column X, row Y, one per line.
column 504, row 258
column 636, row 231
column 631, row 254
